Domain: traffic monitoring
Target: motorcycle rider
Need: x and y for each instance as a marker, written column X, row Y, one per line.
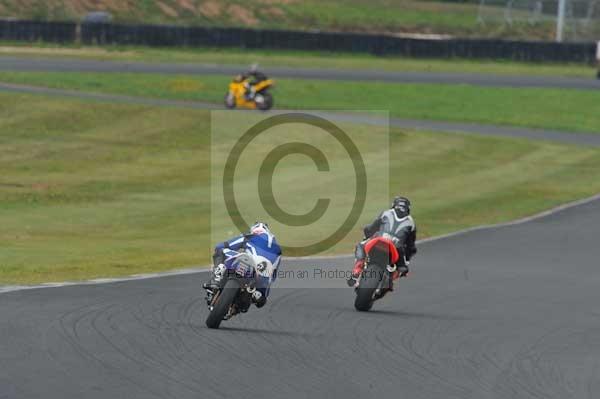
column 256, row 76
column 259, row 241
column 398, row 223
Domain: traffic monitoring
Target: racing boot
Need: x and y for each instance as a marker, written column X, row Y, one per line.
column 259, row 299
column 215, row 281
column 250, row 92
column 401, row 271
column 356, row 271
column 209, row 293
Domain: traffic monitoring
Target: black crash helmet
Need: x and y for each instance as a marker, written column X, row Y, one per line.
column 401, row 205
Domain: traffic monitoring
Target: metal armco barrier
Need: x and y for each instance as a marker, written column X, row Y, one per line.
column 56, row 32
column 164, row 35
column 158, row 35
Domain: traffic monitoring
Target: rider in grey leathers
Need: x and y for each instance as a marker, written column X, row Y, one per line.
column 398, row 223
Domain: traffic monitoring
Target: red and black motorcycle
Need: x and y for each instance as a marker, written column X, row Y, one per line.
column 378, row 272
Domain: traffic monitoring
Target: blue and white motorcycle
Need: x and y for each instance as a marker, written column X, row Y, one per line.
column 244, row 273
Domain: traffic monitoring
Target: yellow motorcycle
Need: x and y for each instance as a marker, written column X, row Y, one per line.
column 243, row 94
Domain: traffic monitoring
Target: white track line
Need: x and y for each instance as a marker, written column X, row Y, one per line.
column 135, row 277
column 201, row 269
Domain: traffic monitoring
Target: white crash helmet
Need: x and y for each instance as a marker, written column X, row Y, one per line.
column 260, row 228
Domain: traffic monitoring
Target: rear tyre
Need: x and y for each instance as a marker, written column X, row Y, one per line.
column 229, row 100
column 264, row 101
column 366, row 290
column 223, row 303
column 371, row 278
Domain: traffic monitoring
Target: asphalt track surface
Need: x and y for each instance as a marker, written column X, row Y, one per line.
column 49, row 64
column 590, row 139
column 509, row 312
column 505, row 312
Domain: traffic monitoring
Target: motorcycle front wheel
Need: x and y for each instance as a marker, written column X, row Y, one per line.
column 222, row 303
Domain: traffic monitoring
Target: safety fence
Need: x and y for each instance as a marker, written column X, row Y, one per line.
column 158, row 35
column 31, row 31
column 581, row 17
column 162, row 35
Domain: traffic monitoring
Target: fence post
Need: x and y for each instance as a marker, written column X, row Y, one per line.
column 560, row 20
column 598, row 59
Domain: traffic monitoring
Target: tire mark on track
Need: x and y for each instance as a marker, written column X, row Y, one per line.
column 70, row 332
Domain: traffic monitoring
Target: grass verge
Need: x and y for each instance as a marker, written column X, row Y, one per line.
column 90, row 190
column 555, row 109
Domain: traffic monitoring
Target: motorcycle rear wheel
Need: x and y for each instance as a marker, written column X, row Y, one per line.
column 229, row 100
column 366, row 290
column 223, row 303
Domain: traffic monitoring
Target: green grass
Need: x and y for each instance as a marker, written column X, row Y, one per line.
column 556, row 109
column 394, row 16
column 90, row 190
column 303, row 59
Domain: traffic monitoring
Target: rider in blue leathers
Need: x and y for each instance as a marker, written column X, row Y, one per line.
column 259, row 241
